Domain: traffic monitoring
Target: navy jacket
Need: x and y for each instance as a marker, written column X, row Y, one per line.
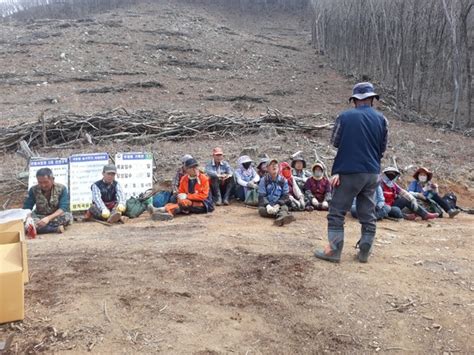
column 360, row 134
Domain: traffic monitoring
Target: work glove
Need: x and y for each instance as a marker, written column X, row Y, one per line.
column 414, row 205
column 276, row 208
column 326, row 205
column 121, row 208
column 105, row 213
column 182, row 196
column 380, row 205
column 270, row 209
column 314, row 201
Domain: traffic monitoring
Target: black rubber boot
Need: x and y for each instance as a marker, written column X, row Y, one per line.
column 364, row 252
column 328, row 254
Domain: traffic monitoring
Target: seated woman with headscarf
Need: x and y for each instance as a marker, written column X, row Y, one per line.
column 298, row 169
column 297, row 201
column 317, row 189
column 246, row 177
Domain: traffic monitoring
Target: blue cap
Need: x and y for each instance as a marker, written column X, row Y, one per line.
column 191, row 163
column 362, row 91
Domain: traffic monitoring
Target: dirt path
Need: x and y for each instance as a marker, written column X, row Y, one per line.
column 232, row 282
column 229, row 282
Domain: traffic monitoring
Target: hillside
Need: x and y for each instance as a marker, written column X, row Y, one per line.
column 228, row 282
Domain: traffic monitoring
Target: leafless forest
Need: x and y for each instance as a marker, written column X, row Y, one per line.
column 419, row 51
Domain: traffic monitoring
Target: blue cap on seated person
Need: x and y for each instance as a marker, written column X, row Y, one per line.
column 191, row 163
column 362, row 91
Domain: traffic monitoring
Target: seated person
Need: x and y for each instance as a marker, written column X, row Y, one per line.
column 262, row 165
column 425, row 190
column 317, row 189
column 297, row 201
column 220, row 174
column 398, row 199
column 298, row 169
column 193, row 195
column 108, row 200
column 177, row 178
column 246, row 177
column 51, row 213
column 381, row 209
column 273, row 196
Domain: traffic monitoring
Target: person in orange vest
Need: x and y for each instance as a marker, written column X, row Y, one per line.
column 193, row 195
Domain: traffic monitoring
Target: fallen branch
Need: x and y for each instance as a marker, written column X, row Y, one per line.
column 118, row 125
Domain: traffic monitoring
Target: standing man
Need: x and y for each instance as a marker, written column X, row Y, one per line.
column 108, row 199
column 221, row 177
column 51, row 213
column 360, row 135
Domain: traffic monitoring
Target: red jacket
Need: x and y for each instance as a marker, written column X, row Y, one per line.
column 201, row 189
column 390, row 194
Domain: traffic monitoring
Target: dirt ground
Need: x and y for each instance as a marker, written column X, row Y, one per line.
column 228, row 282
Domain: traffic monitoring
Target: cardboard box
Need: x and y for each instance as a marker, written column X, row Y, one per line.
column 12, row 303
column 16, row 227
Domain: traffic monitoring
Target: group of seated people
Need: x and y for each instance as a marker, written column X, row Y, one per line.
column 276, row 188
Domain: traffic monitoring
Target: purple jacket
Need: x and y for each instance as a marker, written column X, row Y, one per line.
column 320, row 189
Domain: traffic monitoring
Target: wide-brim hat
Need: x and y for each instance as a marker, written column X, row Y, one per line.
column 244, row 159
column 318, row 165
column 362, row 91
column 422, row 169
column 298, row 158
column 391, row 169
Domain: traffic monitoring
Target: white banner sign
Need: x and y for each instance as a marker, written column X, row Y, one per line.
column 134, row 172
column 84, row 170
column 59, row 166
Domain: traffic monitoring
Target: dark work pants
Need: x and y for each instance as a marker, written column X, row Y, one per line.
column 442, row 203
column 221, row 189
column 362, row 187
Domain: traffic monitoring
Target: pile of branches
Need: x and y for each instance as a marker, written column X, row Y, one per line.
column 118, row 125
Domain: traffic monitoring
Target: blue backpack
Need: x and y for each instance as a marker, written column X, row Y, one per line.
column 161, row 198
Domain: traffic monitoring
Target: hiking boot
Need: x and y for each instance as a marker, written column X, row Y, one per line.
column 364, row 252
column 453, row 213
column 429, row 215
column 284, row 219
column 60, row 230
column 114, row 218
column 410, row 217
column 328, row 254
column 161, row 216
column 226, row 203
